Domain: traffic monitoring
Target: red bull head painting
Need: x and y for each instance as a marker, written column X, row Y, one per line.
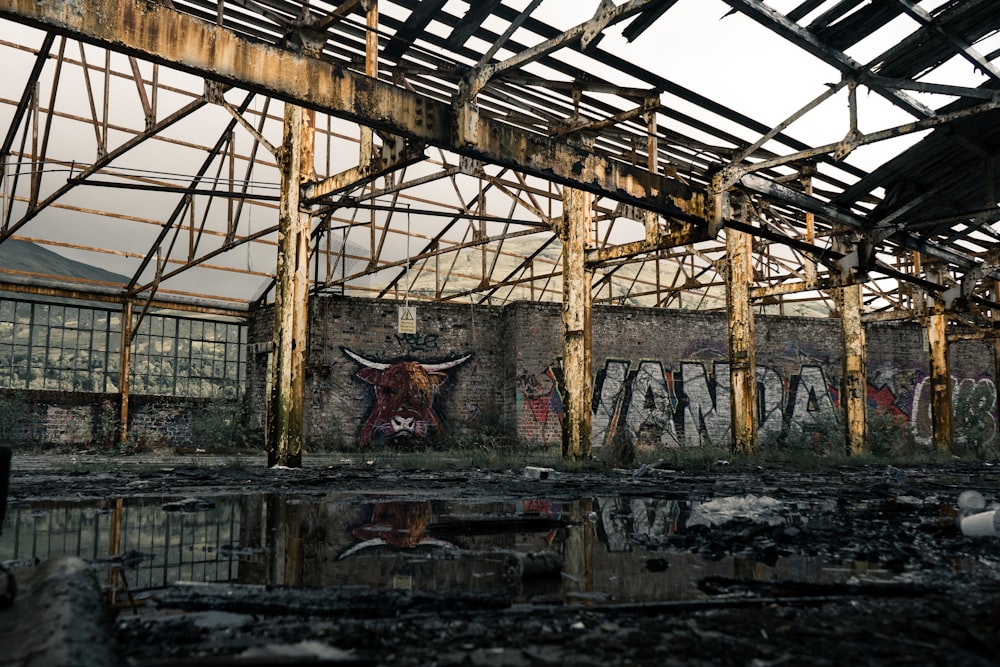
column 405, row 394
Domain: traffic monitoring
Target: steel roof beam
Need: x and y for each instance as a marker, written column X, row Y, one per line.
column 805, row 39
column 813, row 205
column 961, row 47
column 163, row 35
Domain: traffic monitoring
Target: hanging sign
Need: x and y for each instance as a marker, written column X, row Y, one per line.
column 406, row 322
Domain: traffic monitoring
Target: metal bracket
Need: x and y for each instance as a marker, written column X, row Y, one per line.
column 470, row 166
column 848, row 263
column 213, row 92
column 718, row 204
column 466, row 123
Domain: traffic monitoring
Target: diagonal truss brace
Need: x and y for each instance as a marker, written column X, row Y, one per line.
column 388, row 162
column 780, row 192
column 607, row 14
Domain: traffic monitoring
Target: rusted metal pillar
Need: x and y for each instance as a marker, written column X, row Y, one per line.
column 283, row 562
column 854, row 398
column 940, row 367
column 742, row 352
column 371, row 69
column 286, row 418
column 115, row 549
column 578, row 549
column 994, row 340
column 809, row 264
column 125, row 370
column 651, row 219
column 576, row 340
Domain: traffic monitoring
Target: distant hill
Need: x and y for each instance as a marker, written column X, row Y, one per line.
column 26, row 256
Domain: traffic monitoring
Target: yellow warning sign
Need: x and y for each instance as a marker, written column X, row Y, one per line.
column 406, row 323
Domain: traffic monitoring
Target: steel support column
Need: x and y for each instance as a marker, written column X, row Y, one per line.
column 286, row 423
column 940, row 365
column 742, row 351
column 940, row 370
column 125, row 369
column 994, row 340
column 854, row 389
column 854, row 397
column 576, row 334
column 367, row 142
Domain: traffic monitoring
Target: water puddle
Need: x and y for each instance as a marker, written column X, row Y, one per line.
column 584, row 551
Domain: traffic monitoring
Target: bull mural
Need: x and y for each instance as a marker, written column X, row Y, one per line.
column 405, row 395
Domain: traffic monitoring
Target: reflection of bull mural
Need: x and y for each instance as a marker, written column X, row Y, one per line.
column 404, row 397
column 397, row 525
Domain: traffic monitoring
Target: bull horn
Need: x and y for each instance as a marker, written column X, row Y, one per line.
column 446, row 365
column 378, row 365
column 430, row 368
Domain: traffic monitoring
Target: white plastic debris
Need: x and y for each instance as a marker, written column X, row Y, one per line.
column 307, row 649
column 981, row 524
column 970, row 502
column 535, row 472
column 974, row 518
column 718, row 511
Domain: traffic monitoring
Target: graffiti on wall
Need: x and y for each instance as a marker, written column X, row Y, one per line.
column 973, row 402
column 404, row 397
column 689, row 405
column 539, row 405
column 417, row 342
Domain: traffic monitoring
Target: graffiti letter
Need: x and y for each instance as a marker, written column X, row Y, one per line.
column 770, row 392
column 708, row 409
column 650, row 410
column 809, row 398
column 609, row 392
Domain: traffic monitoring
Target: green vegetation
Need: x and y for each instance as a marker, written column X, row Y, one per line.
column 13, row 408
column 890, row 435
column 222, row 427
column 108, row 424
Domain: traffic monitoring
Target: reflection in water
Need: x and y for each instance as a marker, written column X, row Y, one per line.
column 582, row 551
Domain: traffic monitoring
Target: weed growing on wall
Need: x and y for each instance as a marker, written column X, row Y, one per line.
column 330, row 439
column 488, row 433
column 222, row 427
column 890, row 434
column 822, row 434
column 108, row 423
column 13, row 408
column 620, row 452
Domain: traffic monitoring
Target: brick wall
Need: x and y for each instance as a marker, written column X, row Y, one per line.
column 470, row 395
column 82, row 420
column 661, row 376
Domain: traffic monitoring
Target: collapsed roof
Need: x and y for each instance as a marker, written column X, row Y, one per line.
column 856, row 141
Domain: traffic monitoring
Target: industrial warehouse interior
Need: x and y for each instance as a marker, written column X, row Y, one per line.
column 500, row 332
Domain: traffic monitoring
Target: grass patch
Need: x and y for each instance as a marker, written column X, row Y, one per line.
column 13, row 408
